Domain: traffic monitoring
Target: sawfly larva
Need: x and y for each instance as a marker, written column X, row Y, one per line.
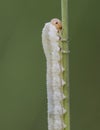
column 51, row 36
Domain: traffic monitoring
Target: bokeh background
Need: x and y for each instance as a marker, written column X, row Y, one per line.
column 23, row 66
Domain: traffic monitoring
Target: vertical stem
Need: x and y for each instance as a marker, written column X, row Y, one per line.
column 65, row 60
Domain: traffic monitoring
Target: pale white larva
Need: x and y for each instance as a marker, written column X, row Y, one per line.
column 55, row 96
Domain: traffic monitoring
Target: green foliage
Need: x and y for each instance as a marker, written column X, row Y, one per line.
column 65, row 58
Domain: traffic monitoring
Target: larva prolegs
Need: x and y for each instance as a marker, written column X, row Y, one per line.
column 55, row 82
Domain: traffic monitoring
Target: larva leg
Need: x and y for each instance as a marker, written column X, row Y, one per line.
column 63, row 40
column 63, row 51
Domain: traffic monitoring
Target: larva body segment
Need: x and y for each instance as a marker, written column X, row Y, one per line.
column 55, row 96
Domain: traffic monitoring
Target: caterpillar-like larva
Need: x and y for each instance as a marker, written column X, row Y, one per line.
column 50, row 40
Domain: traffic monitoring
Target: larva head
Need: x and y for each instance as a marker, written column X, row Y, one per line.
column 57, row 23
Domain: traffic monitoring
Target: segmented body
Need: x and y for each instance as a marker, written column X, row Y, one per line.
column 55, row 96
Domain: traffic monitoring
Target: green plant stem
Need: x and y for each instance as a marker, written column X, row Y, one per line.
column 65, row 61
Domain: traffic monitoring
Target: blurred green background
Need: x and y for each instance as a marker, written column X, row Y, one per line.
column 22, row 63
